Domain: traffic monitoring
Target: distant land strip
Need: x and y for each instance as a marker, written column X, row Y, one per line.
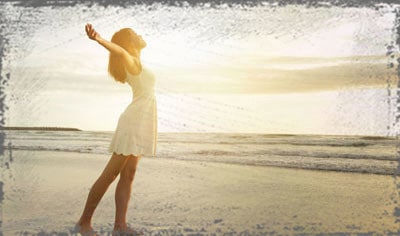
column 40, row 128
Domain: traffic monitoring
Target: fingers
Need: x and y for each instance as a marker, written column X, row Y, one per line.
column 88, row 27
column 90, row 31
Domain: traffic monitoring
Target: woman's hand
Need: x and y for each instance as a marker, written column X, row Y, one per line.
column 92, row 34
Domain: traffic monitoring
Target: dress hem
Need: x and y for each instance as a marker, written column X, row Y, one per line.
column 132, row 153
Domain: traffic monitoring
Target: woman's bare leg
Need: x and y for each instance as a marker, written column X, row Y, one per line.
column 123, row 192
column 110, row 172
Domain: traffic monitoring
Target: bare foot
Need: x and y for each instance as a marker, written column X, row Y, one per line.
column 85, row 230
column 126, row 231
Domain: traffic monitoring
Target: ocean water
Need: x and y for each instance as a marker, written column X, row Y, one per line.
column 365, row 154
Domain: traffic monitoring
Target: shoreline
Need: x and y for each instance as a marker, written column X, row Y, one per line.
column 361, row 136
column 43, row 128
column 387, row 167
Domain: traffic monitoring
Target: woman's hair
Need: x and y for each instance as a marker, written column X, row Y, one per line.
column 127, row 39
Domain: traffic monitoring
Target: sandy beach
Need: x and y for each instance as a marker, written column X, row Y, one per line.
column 45, row 191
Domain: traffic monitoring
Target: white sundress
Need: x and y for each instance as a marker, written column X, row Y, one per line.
column 136, row 131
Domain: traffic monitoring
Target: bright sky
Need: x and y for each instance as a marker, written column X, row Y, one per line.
column 284, row 70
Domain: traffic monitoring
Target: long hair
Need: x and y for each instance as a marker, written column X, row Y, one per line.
column 127, row 39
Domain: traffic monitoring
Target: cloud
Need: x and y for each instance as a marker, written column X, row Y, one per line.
column 281, row 75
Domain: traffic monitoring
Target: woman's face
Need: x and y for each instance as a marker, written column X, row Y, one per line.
column 138, row 41
column 143, row 43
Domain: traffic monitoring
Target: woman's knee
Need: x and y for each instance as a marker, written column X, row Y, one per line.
column 109, row 177
column 113, row 168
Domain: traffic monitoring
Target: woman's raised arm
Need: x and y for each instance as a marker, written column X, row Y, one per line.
column 131, row 62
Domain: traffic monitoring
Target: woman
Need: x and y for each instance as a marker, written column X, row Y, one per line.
column 136, row 132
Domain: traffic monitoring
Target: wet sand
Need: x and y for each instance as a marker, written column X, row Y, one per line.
column 45, row 191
